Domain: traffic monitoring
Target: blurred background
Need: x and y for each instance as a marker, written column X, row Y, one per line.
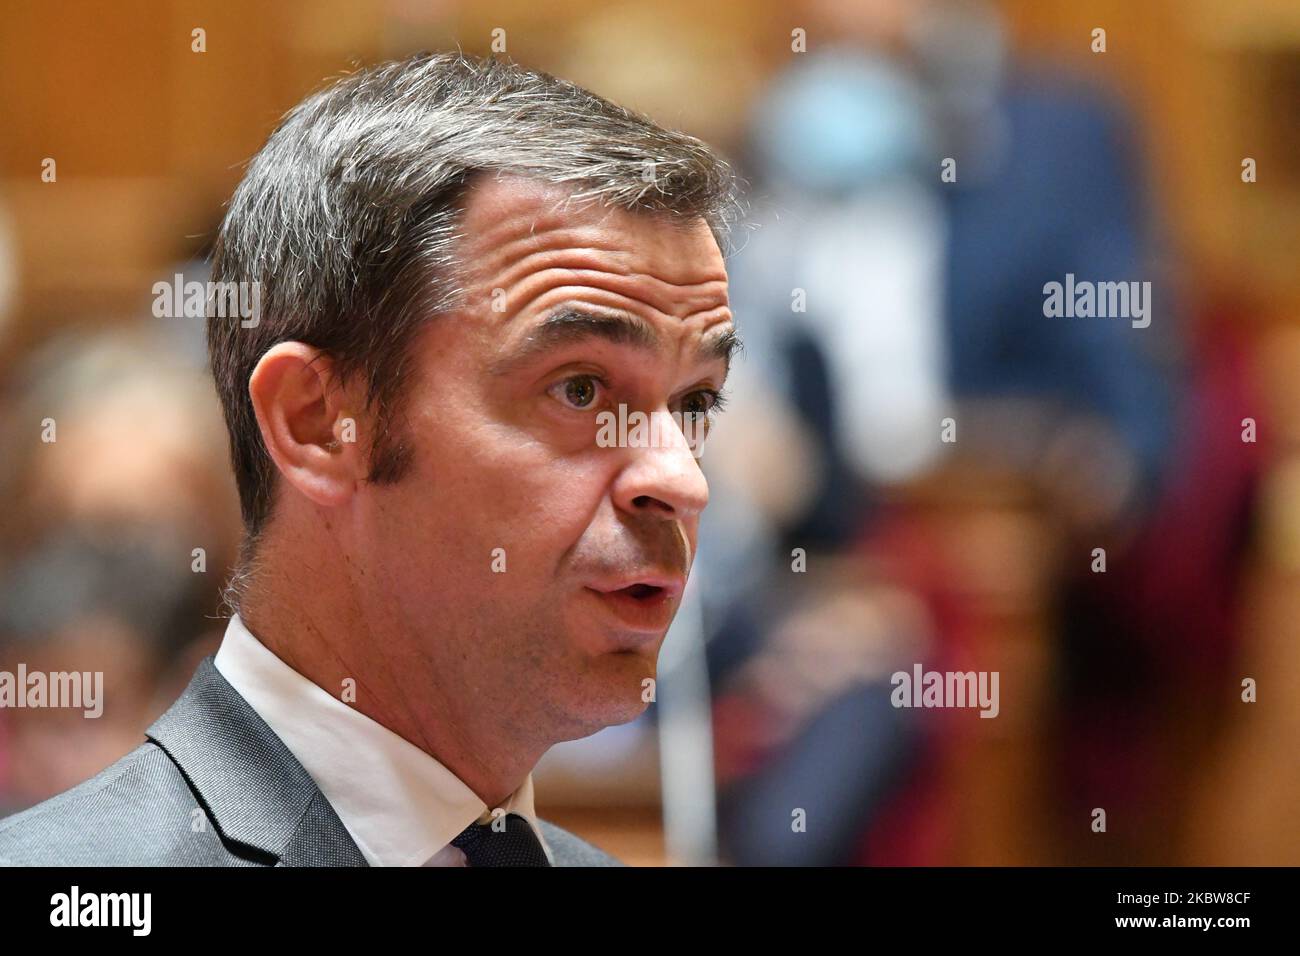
column 849, row 535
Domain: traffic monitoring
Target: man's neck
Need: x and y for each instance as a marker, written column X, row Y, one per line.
column 319, row 643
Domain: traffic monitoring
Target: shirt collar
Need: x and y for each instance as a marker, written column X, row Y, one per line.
column 400, row 805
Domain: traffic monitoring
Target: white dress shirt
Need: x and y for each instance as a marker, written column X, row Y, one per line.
column 401, row 806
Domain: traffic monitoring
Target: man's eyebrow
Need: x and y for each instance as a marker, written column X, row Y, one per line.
column 723, row 346
column 569, row 325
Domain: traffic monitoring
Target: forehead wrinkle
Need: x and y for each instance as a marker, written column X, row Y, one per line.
column 544, row 254
column 514, row 255
column 680, row 301
column 518, row 241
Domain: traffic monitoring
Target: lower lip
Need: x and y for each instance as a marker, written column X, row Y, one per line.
column 646, row 616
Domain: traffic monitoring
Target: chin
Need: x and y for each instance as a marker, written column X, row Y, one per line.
column 609, row 693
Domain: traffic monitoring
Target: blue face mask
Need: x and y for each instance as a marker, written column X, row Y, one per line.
column 840, row 121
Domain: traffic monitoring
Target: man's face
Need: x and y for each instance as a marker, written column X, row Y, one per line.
column 507, row 551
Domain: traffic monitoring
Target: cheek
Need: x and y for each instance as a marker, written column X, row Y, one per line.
column 540, row 511
column 478, row 487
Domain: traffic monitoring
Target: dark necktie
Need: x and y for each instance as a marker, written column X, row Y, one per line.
column 516, row 845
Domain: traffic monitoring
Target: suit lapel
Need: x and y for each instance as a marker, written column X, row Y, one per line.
column 253, row 787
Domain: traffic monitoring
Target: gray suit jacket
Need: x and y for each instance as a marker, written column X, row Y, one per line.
column 212, row 786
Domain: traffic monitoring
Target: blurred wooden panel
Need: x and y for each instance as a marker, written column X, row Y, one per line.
column 88, row 85
column 95, row 246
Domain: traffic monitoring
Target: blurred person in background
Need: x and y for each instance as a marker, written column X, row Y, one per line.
column 119, row 426
column 117, row 557
column 884, row 298
column 117, row 600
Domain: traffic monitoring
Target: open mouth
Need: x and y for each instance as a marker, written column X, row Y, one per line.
column 640, row 607
column 641, row 592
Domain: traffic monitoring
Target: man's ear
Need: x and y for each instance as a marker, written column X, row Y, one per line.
column 302, row 411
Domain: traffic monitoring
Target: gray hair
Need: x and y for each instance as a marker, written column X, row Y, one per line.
column 348, row 217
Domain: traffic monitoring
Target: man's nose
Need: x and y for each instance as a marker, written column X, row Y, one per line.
column 662, row 475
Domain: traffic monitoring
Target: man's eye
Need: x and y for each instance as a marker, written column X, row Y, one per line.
column 578, row 392
column 702, row 404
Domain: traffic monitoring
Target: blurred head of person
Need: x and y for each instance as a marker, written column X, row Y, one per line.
column 461, row 265
column 117, row 426
column 119, row 601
